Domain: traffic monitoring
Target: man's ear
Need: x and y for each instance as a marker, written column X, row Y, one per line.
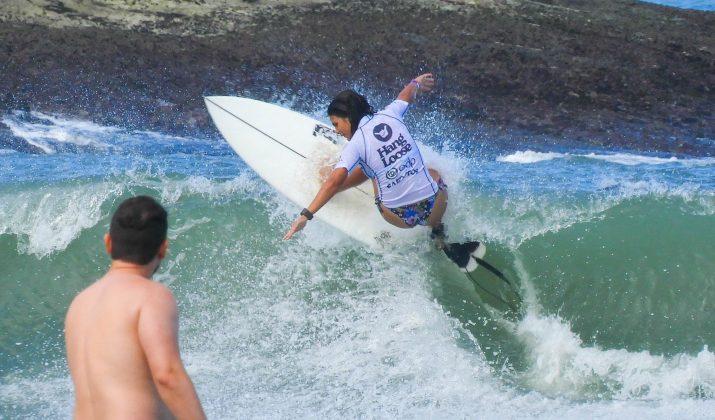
column 163, row 249
column 108, row 243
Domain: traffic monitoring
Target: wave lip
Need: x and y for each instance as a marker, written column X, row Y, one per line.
column 562, row 365
column 48, row 220
column 628, row 159
column 49, row 134
column 530, row 156
column 38, row 133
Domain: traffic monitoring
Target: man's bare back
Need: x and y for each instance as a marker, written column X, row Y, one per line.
column 122, row 347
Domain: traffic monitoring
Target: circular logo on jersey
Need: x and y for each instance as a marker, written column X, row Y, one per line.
column 382, row 132
column 392, row 173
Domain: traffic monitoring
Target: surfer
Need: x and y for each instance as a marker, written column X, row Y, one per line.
column 121, row 332
column 381, row 148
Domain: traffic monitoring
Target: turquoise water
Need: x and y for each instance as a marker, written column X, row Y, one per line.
column 612, row 252
column 707, row 5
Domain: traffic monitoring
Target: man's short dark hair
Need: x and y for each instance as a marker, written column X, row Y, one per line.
column 138, row 228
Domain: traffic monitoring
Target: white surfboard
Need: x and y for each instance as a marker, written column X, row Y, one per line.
column 287, row 149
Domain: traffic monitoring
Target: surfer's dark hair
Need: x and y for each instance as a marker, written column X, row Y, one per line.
column 138, row 228
column 351, row 105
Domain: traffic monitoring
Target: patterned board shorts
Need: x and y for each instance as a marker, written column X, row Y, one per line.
column 416, row 213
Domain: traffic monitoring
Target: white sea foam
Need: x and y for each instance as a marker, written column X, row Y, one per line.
column 46, row 396
column 514, row 219
column 562, row 365
column 368, row 340
column 510, row 207
column 529, row 156
column 697, row 200
column 380, row 349
column 301, row 340
column 47, row 132
column 629, row 159
column 49, row 219
column 321, row 328
column 245, row 183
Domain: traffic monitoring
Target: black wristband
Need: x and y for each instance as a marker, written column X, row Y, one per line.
column 308, row 215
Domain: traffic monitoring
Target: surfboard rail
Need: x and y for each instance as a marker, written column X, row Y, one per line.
column 287, row 149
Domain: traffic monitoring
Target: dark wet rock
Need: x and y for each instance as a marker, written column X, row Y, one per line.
column 613, row 73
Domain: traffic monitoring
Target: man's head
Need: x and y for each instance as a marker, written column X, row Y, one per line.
column 137, row 232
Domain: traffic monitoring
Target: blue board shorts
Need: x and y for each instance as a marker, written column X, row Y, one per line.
column 416, row 213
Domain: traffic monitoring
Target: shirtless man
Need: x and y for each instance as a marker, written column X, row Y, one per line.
column 121, row 332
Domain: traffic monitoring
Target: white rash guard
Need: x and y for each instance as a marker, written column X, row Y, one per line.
column 386, row 152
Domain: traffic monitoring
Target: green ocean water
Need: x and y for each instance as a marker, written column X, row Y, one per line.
column 614, row 262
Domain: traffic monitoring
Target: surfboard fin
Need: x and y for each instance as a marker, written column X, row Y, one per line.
column 465, row 255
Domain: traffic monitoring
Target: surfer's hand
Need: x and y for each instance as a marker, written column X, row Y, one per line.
column 298, row 224
column 426, row 82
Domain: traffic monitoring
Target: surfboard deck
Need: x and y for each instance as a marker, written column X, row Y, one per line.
column 288, row 149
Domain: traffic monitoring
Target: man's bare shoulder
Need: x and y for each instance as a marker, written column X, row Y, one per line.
column 155, row 298
column 155, row 290
column 144, row 293
column 118, row 286
column 134, row 284
column 81, row 301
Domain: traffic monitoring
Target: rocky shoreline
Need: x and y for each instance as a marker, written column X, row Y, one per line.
column 616, row 73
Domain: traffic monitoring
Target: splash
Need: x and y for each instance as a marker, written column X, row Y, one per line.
column 562, row 365
column 529, row 157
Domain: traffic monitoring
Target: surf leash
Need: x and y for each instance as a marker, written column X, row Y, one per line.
column 462, row 253
column 494, row 295
column 493, row 270
column 499, row 274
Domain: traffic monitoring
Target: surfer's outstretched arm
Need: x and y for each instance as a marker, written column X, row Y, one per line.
column 329, row 188
column 421, row 83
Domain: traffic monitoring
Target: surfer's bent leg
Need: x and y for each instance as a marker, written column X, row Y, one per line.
column 426, row 212
column 440, row 207
column 406, row 217
column 440, row 203
column 390, row 217
column 386, row 214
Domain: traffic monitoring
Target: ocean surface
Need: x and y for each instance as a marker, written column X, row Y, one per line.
column 707, row 5
column 612, row 251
